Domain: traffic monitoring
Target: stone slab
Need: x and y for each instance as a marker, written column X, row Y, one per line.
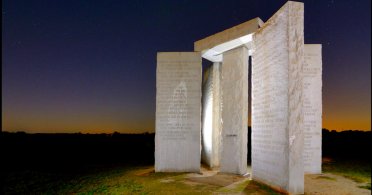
column 211, row 128
column 217, row 128
column 312, row 73
column 277, row 123
column 207, row 118
column 178, row 112
column 232, row 33
column 234, row 88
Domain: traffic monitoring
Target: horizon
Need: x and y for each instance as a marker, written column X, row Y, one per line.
column 91, row 67
column 147, row 132
column 140, row 132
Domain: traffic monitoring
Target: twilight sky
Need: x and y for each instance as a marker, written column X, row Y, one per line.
column 90, row 66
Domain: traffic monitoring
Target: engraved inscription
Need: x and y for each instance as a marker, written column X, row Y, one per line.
column 312, row 77
column 173, row 92
column 277, row 138
column 178, row 106
column 269, row 103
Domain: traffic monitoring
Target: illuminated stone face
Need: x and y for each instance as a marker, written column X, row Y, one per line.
column 234, row 85
column 277, row 100
column 207, row 118
column 178, row 105
column 211, row 120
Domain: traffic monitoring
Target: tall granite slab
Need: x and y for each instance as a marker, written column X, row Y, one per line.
column 178, row 112
column 312, row 86
column 217, row 128
column 277, row 116
column 207, row 117
column 234, row 88
column 211, row 127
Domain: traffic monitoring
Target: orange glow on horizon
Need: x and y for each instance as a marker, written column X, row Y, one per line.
column 339, row 123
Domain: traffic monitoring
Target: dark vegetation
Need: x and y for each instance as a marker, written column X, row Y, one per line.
column 22, row 150
column 32, row 161
column 349, row 144
column 41, row 162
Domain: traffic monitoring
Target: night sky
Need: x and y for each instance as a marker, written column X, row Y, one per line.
column 90, row 66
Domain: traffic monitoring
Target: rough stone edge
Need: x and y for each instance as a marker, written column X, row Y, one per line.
column 295, row 97
column 229, row 34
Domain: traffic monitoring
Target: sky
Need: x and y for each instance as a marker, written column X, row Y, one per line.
column 90, row 66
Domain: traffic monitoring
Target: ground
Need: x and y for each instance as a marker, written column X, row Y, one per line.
column 338, row 178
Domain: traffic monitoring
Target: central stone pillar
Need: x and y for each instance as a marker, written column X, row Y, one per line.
column 234, row 85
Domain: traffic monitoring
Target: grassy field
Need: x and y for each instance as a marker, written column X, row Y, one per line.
column 118, row 180
column 123, row 164
column 359, row 171
column 125, row 179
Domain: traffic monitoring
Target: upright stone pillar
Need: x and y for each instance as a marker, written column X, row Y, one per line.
column 211, row 126
column 277, row 100
column 178, row 108
column 312, row 72
column 234, row 85
column 217, row 128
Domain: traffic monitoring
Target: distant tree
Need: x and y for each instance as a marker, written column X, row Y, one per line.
column 115, row 134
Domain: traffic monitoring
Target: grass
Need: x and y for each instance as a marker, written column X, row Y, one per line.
column 116, row 180
column 259, row 188
column 358, row 171
column 367, row 186
column 143, row 180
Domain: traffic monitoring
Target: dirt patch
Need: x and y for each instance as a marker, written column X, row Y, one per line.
column 145, row 172
column 326, row 177
column 167, row 180
column 320, row 184
column 210, row 180
column 328, row 183
column 256, row 188
column 218, row 179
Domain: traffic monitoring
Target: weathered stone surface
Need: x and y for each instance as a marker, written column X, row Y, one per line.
column 178, row 112
column 228, row 34
column 312, row 85
column 217, row 128
column 234, row 88
column 211, row 128
column 207, row 117
column 277, row 116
